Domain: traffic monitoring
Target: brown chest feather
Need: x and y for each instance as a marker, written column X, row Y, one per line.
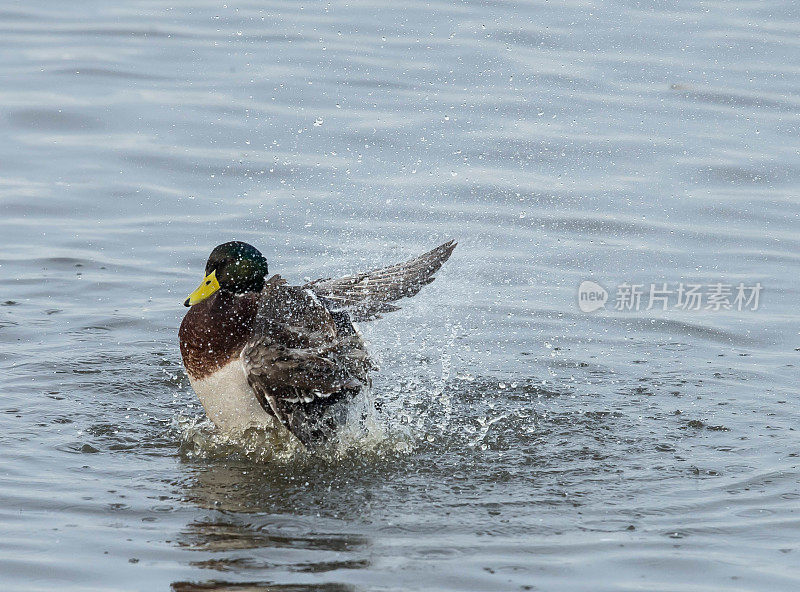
column 214, row 331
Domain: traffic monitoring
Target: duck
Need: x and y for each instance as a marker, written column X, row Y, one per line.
column 262, row 353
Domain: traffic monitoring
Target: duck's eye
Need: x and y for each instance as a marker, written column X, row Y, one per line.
column 208, row 283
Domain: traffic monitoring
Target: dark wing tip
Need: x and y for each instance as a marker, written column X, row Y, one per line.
column 449, row 247
column 444, row 250
column 437, row 257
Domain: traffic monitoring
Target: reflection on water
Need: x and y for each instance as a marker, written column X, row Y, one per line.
column 253, row 528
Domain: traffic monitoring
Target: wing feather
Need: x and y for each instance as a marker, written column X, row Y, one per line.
column 366, row 295
column 302, row 360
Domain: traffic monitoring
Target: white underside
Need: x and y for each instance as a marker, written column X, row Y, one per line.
column 229, row 401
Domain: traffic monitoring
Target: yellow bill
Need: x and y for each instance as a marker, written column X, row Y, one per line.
column 207, row 287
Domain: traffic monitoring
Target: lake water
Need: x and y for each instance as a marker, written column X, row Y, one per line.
column 522, row 444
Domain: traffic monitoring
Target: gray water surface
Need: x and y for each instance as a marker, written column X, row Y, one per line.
column 522, row 444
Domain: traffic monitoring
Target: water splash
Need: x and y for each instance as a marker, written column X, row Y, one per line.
column 367, row 431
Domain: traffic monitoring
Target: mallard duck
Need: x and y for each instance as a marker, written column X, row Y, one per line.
column 257, row 349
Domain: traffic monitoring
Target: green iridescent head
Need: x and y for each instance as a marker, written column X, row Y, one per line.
column 233, row 267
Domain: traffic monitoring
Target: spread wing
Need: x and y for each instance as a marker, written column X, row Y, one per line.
column 366, row 295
